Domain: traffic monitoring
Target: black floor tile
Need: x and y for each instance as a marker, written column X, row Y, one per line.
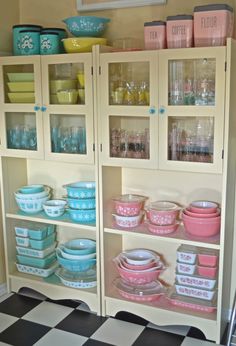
column 81, row 323
column 18, row 305
column 196, row 333
column 153, row 337
column 128, row 317
column 65, row 302
column 92, row 342
column 23, row 333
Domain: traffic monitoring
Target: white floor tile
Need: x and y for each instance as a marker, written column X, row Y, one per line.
column 61, row 338
column 48, row 314
column 195, row 342
column 180, row 330
column 118, row 333
column 6, row 321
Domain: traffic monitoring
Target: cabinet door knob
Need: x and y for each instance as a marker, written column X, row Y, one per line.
column 152, row 110
column 43, row 108
column 162, row 110
column 36, row 108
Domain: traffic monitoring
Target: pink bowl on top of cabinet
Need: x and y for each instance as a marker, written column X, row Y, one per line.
column 162, row 213
column 129, row 205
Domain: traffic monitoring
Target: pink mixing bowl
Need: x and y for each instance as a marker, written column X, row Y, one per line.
column 189, row 212
column 201, row 227
column 203, row 207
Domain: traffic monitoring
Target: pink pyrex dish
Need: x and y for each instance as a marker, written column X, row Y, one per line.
column 128, row 221
column 127, row 265
column 191, row 303
column 212, row 24
column 195, row 292
column 196, row 281
column 162, row 213
column 187, row 254
column 185, row 268
column 162, row 229
column 201, row 227
column 155, row 35
column 129, row 205
column 189, row 212
column 208, row 272
column 207, row 258
column 139, row 256
column 179, row 31
column 203, row 207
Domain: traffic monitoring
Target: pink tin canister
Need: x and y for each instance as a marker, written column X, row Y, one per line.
column 155, row 35
column 212, row 24
column 179, row 31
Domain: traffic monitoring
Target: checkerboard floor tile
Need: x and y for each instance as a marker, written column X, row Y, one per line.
column 32, row 319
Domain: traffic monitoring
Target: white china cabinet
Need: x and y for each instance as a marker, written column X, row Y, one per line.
column 47, row 137
column 167, row 132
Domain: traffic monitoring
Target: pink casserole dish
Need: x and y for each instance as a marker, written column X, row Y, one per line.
column 129, row 205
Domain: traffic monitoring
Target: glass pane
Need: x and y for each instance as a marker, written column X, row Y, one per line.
column 129, row 83
column 21, row 131
column 68, row 134
column 191, row 139
column 18, row 83
column 192, row 82
column 67, row 83
column 129, row 137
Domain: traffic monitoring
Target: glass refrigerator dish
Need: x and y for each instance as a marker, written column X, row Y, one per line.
column 142, row 293
column 86, row 279
column 43, row 272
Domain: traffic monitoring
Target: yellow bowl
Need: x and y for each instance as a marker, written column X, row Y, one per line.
column 82, row 44
column 21, row 86
column 62, row 84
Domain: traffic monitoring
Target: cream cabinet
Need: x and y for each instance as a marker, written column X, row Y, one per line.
column 47, row 137
column 188, row 111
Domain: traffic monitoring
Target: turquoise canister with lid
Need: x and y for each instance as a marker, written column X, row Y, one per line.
column 16, row 35
column 29, row 42
column 62, row 33
column 49, row 43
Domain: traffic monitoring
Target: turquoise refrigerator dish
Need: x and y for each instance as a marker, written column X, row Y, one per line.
column 37, row 262
column 16, row 37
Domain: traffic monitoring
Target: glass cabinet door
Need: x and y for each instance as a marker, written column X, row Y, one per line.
column 21, row 99
column 192, row 103
column 128, row 92
column 68, row 105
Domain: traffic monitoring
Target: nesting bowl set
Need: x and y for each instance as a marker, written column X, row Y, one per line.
column 139, row 270
column 87, row 31
column 77, row 259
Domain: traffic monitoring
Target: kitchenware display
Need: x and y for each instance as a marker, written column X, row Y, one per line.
column 68, row 139
column 87, row 279
column 179, row 31
column 82, row 215
column 49, row 43
column 79, row 246
column 34, row 230
column 162, row 213
column 82, row 44
column 86, row 26
column 84, row 203
column 128, row 204
column 128, row 221
column 24, row 192
column 36, row 244
column 161, row 229
column 195, row 292
column 67, row 255
column 186, row 268
column 155, row 35
column 189, row 212
column 37, row 261
column 54, row 207
column 62, row 33
column 203, row 207
column 187, row 254
column 196, row 281
column 142, row 293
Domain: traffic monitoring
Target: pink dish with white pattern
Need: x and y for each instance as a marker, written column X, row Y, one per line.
column 129, row 205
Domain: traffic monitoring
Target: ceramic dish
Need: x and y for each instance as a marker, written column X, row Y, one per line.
column 37, row 262
column 79, row 246
column 23, row 97
column 31, row 189
column 20, row 76
column 34, row 230
column 81, row 189
column 162, row 213
column 35, row 253
column 142, row 293
column 32, row 196
column 86, row 279
column 85, row 203
column 75, row 257
column 43, row 272
column 196, row 281
column 129, row 205
column 204, row 207
column 54, row 207
column 187, row 254
column 119, row 263
column 139, row 256
column 208, row 272
column 189, row 212
column 75, row 265
column 82, row 215
column 127, row 265
column 128, row 221
column 162, row 229
column 186, row 268
column 195, row 292
column 208, row 257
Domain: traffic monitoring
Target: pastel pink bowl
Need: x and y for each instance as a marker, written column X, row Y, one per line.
column 203, row 207
column 201, row 227
column 162, row 229
column 189, row 212
column 138, row 278
column 209, row 272
column 207, row 260
column 129, row 205
column 139, row 267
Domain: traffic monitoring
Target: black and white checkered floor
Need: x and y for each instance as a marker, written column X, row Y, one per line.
column 35, row 320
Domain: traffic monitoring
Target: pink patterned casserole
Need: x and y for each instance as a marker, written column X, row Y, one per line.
column 129, row 205
column 195, row 292
column 162, row 213
column 128, row 221
column 191, row 303
column 196, row 281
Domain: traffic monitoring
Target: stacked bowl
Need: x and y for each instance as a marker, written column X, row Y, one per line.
column 162, row 217
column 139, row 270
column 202, row 218
column 86, row 30
column 129, row 210
column 81, row 201
column 77, row 258
column 30, row 198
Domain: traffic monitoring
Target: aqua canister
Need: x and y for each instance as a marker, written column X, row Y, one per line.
column 16, row 36
column 29, row 41
column 62, row 33
column 155, row 34
column 49, row 43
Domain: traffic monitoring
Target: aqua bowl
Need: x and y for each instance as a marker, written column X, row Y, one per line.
column 28, row 189
column 83, row 216
column 81, row 189
column 79, row 246
column 84, row 203
column 86, row 26
column 75, row 265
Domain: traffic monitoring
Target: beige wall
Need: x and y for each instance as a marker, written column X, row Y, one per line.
column 9, row 15
column 126, row 22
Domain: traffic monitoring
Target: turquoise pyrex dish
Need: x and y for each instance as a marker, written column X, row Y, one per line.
column 81, row 189
column 84, row 203
column 82, row 215
column 61, row 35
column 86, row 26
column 49, row 43
column 74, row 265
column 16, row 37
column 27, row 251
column 34, row 230
column 37, row 262
column 29, row 42
column 79, row 246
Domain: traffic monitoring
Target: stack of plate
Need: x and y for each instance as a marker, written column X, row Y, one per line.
column 36, row 248
column 21, row 87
